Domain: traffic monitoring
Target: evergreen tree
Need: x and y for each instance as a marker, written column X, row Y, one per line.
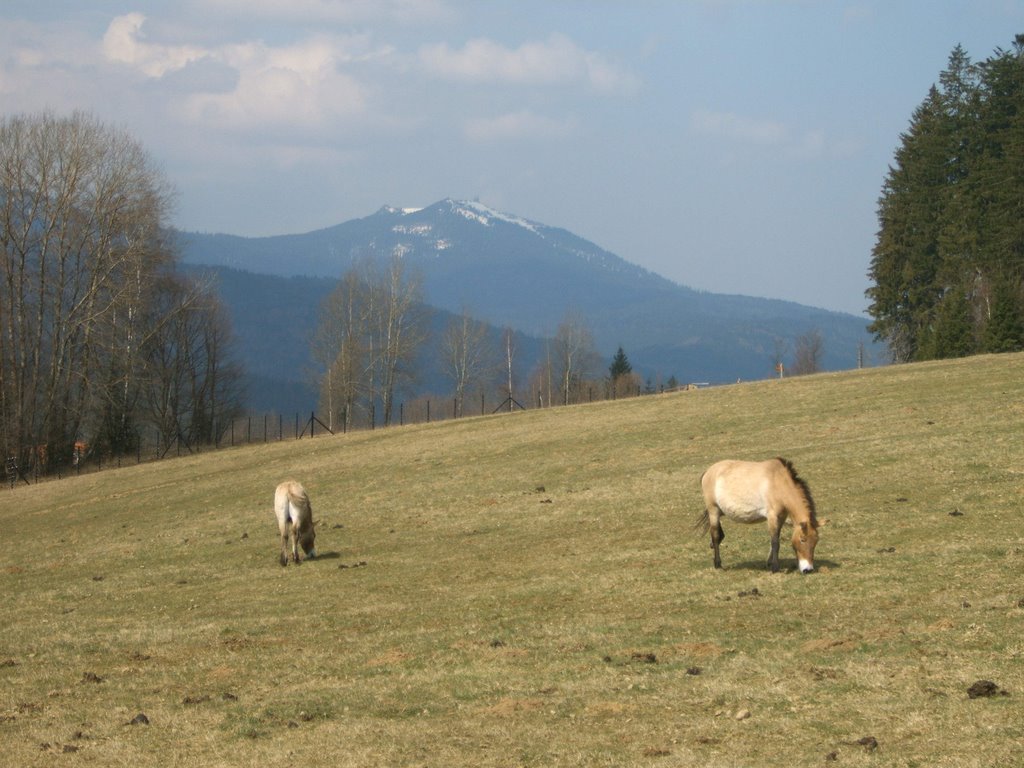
column 958, row 236
column 952, row 332
column 905, row 258
column 951, row 228
column 1001, row 185
column 1004, row 331
column 620, row 365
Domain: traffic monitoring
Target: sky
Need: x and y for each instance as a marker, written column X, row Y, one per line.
column 733, row 146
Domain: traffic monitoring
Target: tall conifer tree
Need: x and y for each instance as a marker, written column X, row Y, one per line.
column 950, row 245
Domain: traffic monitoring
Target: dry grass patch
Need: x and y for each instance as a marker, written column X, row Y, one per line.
column 528, row 590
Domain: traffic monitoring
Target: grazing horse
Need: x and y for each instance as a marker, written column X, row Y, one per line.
column 295, row 520
column 752, row 491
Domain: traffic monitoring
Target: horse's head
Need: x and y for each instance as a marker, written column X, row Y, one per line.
column 307, row 539
column 805, row 538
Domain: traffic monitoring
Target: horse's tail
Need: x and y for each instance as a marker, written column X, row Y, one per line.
column 703, row 522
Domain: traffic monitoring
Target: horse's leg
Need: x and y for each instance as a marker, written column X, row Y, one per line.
column 775, row 521
column 284, row 544
column 295, row 543
column 717, row 534
column 773, row 554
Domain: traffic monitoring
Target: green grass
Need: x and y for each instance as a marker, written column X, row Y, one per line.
column 528, row 589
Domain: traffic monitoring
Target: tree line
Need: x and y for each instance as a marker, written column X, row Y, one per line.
column 948, row 261
column 374, row 327
column 100, row 336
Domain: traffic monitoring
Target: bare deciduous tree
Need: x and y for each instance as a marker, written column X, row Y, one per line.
column 193, row 387
column 95, row 324
column 542, row 379
column 371, row 329
column 81, row 216
column 467, row 356
column 401, row 330
column 574, row 355
column 341, row 348
column 808, row 353
column 508, row 346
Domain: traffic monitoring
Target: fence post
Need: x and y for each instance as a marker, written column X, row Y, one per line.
column 296, row 426
column 428, row 411
column 401, row 414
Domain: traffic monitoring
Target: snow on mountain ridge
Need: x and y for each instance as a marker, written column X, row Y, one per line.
column 474, row 211
column 484, row 214
column 416, row 229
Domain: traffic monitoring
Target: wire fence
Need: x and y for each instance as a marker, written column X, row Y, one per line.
column 35, row 466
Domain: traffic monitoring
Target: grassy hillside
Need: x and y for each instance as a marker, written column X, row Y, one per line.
column 528, row 589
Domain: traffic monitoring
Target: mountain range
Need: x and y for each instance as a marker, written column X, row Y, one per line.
column 509, row 272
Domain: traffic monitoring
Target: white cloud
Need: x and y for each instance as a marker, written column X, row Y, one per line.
column 124, row 43
column 555, row 61
column 299, row 86
column 518, row 125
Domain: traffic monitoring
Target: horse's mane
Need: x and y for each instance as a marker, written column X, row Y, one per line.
column 805, row 489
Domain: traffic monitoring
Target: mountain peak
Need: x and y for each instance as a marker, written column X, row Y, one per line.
column 526, row 275
column 390, row 210
column 483, row 214
column 473, row 210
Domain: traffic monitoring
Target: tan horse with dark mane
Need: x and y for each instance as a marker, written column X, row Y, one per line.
column 294, row 520
column 756, row 491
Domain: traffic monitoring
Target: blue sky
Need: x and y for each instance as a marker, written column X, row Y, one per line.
column 735, row 146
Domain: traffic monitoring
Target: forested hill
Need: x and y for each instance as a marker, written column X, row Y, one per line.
column 274, row 320
column 517, row 273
